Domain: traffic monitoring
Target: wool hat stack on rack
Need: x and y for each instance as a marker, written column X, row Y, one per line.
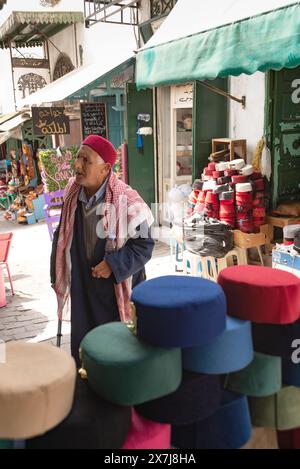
column 232, row 192
column 271, row 380
column 190, row 313
column 162, row 371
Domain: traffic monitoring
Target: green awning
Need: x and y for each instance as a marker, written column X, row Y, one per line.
column 29, row 28
column 222, row 38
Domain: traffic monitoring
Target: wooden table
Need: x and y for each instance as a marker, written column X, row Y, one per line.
column 279, row 222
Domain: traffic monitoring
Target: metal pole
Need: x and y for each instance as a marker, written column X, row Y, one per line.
column 242, row 100
column 59, row 334
column 12, row 74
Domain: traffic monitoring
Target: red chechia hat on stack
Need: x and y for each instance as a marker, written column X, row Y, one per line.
column 261, row 294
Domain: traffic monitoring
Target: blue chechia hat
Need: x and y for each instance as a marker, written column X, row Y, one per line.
column 230, row 351
column 228, row 428
column 179, row 311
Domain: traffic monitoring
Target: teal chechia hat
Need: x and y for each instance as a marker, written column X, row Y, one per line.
column 124, row 370
column 261, row 378
column 179, row 311
column 280, row 411
column 7, row 444
column 230, row 351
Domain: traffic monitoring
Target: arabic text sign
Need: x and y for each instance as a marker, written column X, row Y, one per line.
column 93, row 119
column 50, row 121
column 183, row 96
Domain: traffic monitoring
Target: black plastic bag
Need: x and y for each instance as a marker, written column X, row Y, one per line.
column 207, row 237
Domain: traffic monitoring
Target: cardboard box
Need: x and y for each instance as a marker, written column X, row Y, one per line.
column 286, row 261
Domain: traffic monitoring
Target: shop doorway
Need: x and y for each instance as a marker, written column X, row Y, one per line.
column 283, row 133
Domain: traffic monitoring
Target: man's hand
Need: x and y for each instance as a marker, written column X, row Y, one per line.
column 102, row 270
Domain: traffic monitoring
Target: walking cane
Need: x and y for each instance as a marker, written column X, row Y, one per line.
column 59, row 334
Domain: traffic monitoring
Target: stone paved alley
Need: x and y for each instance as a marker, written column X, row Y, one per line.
column 31, row 314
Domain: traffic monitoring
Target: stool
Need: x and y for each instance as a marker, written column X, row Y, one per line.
column 194, row 261
column 212, row 266
column 2, row 290
column 230, row 144
column 177, row 246
column 246, row 241
column 228, row 261
column 279, row 222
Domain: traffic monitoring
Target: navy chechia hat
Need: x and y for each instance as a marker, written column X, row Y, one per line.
column 92, row 424
column 197, row 397
column 228, row 428
column 275, row 339
column 183, row 311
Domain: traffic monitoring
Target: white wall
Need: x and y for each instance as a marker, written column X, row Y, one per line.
column 6, row 84
column 249, row 122
column 34, row 5
column 106, row 39
column 97, row 42
column 64, row 42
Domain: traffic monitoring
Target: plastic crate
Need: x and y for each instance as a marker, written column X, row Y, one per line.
column 38, row 206
column 30, row 218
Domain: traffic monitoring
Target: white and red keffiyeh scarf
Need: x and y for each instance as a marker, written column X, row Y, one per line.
column 127, row 206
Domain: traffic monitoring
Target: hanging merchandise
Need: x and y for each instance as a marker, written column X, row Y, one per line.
column 266, row 162
column 141, row 120
column 27, row 155
column 207, row 237
column 256, row 161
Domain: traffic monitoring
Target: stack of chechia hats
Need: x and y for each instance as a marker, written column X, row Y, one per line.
column 184, row 371
column 190, row 313
column 231, row 192
column 270, row 299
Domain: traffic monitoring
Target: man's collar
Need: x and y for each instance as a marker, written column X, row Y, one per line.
column 97, row 196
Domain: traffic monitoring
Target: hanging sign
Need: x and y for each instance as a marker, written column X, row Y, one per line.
column 93, row 119
column 183, row 95
column 50, row 121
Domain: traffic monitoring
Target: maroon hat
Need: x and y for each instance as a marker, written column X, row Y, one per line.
column 103, row 147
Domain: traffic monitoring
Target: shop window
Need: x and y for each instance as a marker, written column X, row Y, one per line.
column 184, row 127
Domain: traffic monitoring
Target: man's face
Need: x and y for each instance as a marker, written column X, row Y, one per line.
column 91, row 170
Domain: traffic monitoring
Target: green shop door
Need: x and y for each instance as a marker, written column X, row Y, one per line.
column 283, row 129
column 210, row 120
column 140, row 154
